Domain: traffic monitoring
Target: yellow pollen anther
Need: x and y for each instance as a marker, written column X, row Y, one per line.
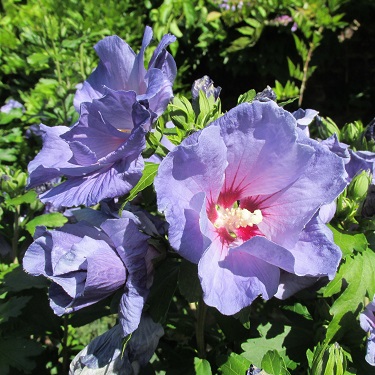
column 128, row 131
column 235, row 218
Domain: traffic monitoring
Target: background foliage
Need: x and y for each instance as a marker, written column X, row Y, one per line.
column 318, row 51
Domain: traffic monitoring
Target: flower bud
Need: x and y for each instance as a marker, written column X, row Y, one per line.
column 351, row 131
column 327, row 127
column 358, row 187
column 328, row 360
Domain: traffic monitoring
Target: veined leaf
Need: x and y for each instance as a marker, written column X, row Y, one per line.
column 358, row 274
column 146, row 180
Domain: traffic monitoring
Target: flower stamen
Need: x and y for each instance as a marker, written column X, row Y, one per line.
column 235, row 218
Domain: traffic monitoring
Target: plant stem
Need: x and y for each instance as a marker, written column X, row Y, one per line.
column 64, row 343
column 306, row 68
column 199, row 329
column 14, row 254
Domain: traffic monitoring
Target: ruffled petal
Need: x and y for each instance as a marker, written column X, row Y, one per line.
column 233, row 282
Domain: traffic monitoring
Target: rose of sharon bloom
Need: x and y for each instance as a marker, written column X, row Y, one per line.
column 367, row 321
column 241, row 198
column 100, row 156
column 122, row 71
column 87, row 264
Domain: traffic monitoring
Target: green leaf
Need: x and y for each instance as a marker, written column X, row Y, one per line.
column 15, row 352
column 51, row 220
column 188, row 281
column 38, row 59
column 349, row 242
column 273, row 337
column 357, row 273
column 163, row 289
column 189, row 12
column 212, row 16
column 235, row 365
column 28, row 197
column 247, row 97
column 6, row 118
column 16, row 279
column 146, row 180
column 274, row 364
column 12, row 308
column 202, row 367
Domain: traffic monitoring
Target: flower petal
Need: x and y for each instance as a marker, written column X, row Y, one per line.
column 232, row 283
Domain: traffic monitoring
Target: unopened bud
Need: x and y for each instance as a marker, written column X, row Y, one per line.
column 327, row 127
column 328, row 360
column 357, row 189
column 351, row 132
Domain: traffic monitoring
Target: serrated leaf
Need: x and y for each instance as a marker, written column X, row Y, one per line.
column 255, row 348
column 13, row 307
column 274, row 364
column 235, row 365
column 51, row 220
column 15, row 352
column 202, row 367
column 358, row 275
column 349, row 242
column 146, row 180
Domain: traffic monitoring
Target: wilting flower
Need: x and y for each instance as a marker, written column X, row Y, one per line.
column 241, row 198
column 100, row 156
column 87, row 264
column 107, row 352
column 367, row 321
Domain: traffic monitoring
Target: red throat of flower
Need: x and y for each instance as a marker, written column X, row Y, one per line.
column 234, row 223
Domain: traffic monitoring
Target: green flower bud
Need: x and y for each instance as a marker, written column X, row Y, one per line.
column 358, row 187
column 328, row 360
column 345, row 207
column 351, row 132
column 327, row 127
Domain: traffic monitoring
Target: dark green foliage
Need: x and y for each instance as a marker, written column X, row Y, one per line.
column 326, row 63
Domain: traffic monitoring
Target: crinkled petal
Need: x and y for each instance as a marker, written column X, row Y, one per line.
column 360, row 161
column 261, row 142
column 163, row 60
column 197, row 166
column 132, row 247
column 114, row 69
column 233, row 282
column 286, row 212
column 54, row 155
column 109, row 182
column 136, row 79
column 315, row 253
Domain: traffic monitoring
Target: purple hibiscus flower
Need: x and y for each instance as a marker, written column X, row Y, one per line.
column 241, row 198
column 88, row 263
column 367, row 321
column 100, row 156
column 122, row 71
